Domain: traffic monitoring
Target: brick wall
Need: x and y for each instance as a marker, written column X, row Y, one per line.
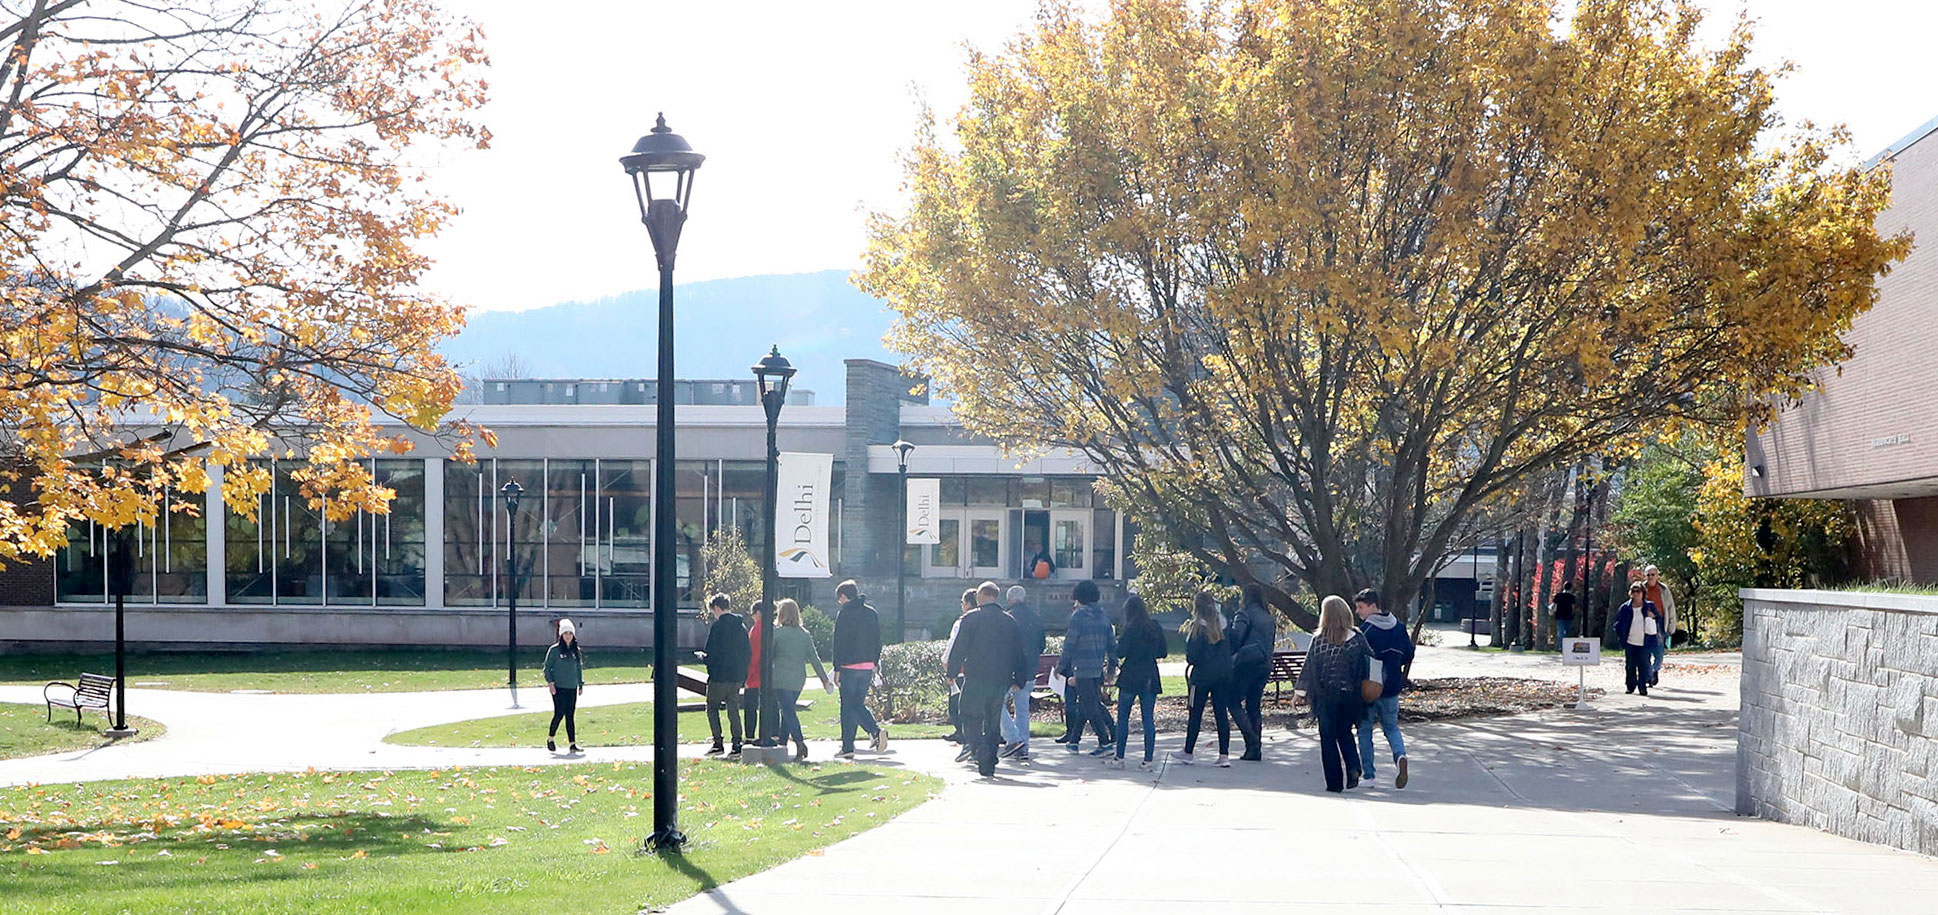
column 1869, row 423
column 1839, row 727
column 27, row 584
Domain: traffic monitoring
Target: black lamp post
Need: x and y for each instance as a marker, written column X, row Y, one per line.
column 511, row 491
column 121, row 573
column 661, row 167
column 773, row 372
column 902, row 448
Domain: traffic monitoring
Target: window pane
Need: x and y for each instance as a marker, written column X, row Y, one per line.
column 352, row 573
column 985, row 543
column 467, row 534
column 1033, row 492
column 78, row 569
column 529, row 530
column 296, row 547
column 247, row 555
column 182, row 555
column 955, row 491
column 948, row 553
column 989, row 491
column 1103, row 544
column 1068, row 539
column 626, row 512
column 1070, row 492
column 396, row 539
column 570, row 538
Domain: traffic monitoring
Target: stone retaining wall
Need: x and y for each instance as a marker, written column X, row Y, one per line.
column 1840, row 714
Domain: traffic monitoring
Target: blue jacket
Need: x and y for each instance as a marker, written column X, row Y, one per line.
column 1391, row 647
column 1626, row 615
column 1087, row 644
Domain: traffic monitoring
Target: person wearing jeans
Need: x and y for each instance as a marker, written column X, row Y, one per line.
column 1338, row 661
column 857, row 650
column 1639, row 625
column 1564, row 614
column 793, row 652
column 1656, row 591
column 1207, row 656
column 1016, row 712
column 1253, row 634
column 1392, row 654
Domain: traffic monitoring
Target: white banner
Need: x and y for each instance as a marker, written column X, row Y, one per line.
column 803, row 494
column 924, row 498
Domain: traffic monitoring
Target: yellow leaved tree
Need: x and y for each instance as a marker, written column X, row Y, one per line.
column 211, row 248
column 1316, row 283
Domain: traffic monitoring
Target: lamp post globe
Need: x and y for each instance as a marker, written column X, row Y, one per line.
column 772, row 374
column 510, row 493
column 660, row 168
column 902, row 448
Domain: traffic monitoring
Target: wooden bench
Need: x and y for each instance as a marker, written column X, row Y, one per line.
column 1286, row 667
column 93, row 692
column 1040, row 690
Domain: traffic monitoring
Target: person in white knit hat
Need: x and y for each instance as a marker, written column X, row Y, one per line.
column 565, row 677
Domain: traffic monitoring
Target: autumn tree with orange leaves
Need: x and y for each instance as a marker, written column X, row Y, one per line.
column 210, row 231
column 1319, row 282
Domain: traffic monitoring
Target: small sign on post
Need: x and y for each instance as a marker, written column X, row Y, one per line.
column 1581, row 654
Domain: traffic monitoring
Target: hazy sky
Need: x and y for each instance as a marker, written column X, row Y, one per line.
column 802, row 109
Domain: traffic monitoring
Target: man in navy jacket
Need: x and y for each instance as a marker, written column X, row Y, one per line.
column 1393, row 652
column 1638, row 626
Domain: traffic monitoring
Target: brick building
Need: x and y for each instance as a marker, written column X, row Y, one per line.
column 1868, row 434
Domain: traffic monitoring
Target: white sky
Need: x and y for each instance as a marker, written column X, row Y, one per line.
column 802, row 109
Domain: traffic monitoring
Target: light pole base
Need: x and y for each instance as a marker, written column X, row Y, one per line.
column 119, row 733
column 1515, row 648
column 764, row 756
column 666, row 841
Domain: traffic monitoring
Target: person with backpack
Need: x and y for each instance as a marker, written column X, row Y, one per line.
column 1207, row 658
column 857, row 652
column 1335, row 668
column 1392, row 656
column 987, row 654
column 1253, row 633
column 1016, row 717
column 1139, row 646
column 1086, row 661
column 727, row 656
column 565, row 678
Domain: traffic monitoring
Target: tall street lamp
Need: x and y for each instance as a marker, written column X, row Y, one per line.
column 773, row 373
column 902, row 448
column 511, row 491
column 121, row 573
column 661, row 167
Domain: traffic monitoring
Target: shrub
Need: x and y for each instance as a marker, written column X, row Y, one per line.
column 913, row 688
column 821, row 626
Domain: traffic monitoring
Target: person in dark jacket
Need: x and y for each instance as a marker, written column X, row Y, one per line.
column 1253, row 633
column 1085, row 663
column 1016, row 712
column 969, row 602
column 1638, row 625
column 1207, row 656
column 727, row 655
column 857, row 652
column 1139, row 646
column 988, row 655
column 565, row 678
column 1564, row 614
column 1393, row 654
column 1335, row 665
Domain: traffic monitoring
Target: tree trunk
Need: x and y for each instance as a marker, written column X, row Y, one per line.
column 1577, row 521
column 1542, row 584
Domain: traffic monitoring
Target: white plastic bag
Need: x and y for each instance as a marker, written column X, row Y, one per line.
column 1057, row 683
column 1649, row 626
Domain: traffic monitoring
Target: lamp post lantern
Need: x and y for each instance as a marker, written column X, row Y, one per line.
column 511, row 491
column 902, row 448
column 661, row 166
column 773, row 373
column 121, row 573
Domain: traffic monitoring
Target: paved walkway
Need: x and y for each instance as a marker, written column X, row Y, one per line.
column 1621, row 808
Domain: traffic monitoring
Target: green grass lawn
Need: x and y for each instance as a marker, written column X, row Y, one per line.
column 631, row 724
column 25, row 730
column 348, row 671
column 465, row 842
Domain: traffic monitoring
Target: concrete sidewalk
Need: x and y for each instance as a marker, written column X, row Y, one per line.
column 1623, row 808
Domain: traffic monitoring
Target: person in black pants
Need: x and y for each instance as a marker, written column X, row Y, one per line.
column 987, row 653
column 1253, row 632
column 1638, row 624
column 1335, row 665
column 1207, row 655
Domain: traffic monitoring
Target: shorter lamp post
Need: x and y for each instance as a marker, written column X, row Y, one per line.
column 773, row 373
column 902, row 448
column 121, row 572
column 511, row 491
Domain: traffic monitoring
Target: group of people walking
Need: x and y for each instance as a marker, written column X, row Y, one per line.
column 734, row 663
column 1644, row 626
